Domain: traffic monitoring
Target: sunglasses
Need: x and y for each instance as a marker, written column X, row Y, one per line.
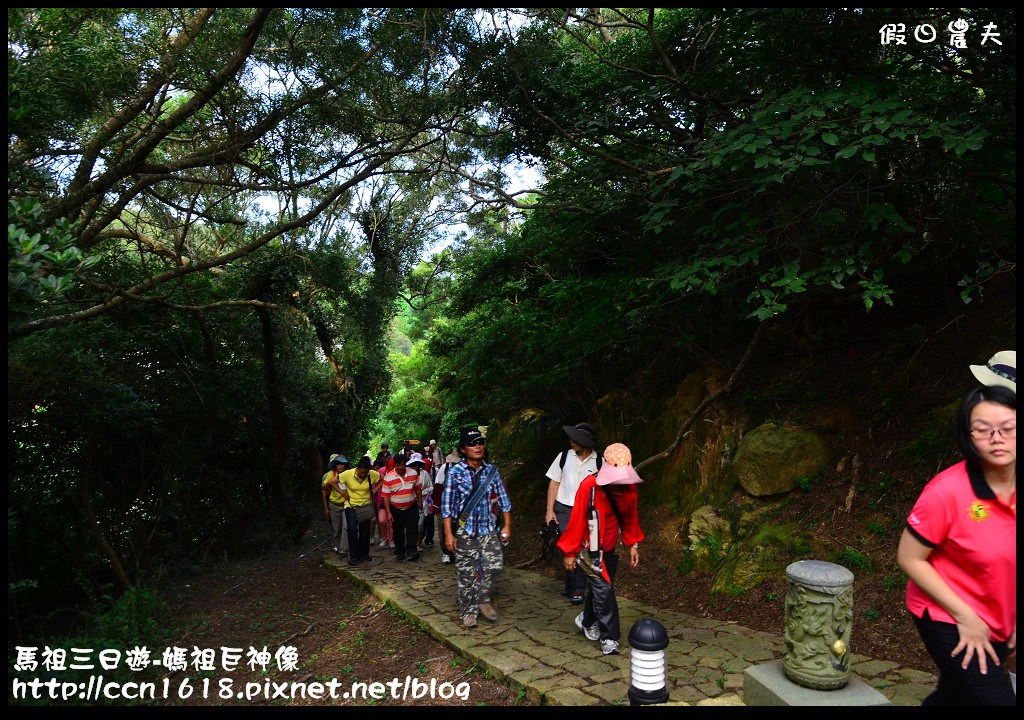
column 478, row 441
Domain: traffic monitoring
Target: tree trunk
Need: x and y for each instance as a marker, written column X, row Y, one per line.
column 278, row 421
column 83, row 496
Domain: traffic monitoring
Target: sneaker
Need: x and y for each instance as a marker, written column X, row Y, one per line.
column 383, row 544
column 577, row 598
column 414, row 555
column 469, row 621
column 487, row 611
column 391, row 544
column 445, row 559
column 609, row 647
column 591, row 632
column 429, row 543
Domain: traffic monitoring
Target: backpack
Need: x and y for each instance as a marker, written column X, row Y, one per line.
column 565, row 454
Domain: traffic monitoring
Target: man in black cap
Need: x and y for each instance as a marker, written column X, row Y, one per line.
column 471, row 530
column 568, row 470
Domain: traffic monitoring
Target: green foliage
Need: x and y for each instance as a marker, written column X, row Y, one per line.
column 935, row 439
column 686, row 563
column 685, row 192
column 872, row 614
column 892, row 582
column 41, row 261
column 853, row 559
column 136, row 614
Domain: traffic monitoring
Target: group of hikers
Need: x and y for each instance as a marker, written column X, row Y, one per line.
column 958, row 548
column 393, row 499
column 396, row 500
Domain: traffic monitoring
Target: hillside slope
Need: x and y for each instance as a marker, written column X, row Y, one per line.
column 882, row 393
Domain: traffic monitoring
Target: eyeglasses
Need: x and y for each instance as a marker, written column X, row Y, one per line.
column 983, row 432
column 478, row 441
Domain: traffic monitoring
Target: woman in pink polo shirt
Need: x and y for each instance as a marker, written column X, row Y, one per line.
column 959, row 550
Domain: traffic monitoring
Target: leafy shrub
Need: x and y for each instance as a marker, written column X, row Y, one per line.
column 852, row 559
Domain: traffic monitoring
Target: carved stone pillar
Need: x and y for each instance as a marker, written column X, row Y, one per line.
column 819, row 618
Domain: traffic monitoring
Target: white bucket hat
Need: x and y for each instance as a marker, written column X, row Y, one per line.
column 1000, row 370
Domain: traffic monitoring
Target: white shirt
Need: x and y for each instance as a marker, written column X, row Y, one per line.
column 426, row 485
column 570, row 476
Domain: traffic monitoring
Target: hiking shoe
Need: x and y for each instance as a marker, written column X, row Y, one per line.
column 445, row 559
column 469, row 621
column 609, row 647
column 414, row 555
column 591, row 632
column 487, row 611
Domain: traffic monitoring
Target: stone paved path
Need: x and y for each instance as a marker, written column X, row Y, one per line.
column 536, row 646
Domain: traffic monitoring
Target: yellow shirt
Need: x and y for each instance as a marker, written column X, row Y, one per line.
column 334, row 496
column 358, row 490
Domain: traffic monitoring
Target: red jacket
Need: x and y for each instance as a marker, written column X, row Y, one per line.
column 625, row 498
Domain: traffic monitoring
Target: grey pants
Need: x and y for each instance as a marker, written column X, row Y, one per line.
column 476, row 556
column 575, row 580
column 339, row 527
column 601, row 606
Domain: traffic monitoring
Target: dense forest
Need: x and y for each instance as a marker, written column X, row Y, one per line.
column 240, row 240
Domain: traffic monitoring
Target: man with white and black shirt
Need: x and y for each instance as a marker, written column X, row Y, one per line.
column 570, row 468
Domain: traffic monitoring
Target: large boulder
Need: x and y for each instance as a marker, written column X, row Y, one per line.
column 771, row 459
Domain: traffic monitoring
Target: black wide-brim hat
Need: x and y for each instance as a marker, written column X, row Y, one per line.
column 582, row 433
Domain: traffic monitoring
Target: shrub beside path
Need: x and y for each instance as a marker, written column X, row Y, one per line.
column 535, row 646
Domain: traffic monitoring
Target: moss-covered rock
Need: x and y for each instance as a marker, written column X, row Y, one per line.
column 711, row 537
column 770, row 459
column 763, row 556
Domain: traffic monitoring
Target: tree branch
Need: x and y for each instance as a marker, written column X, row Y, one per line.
column 708, row 400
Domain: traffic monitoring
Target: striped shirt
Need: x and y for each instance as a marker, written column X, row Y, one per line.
column 401, row 490
column 458, row 489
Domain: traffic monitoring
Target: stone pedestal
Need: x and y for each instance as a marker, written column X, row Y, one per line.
column 767, row 685
column 819, row 619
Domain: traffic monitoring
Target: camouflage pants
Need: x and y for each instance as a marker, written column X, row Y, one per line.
column 473, row 556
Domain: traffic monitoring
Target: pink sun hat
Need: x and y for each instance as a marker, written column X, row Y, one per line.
column 617, row 468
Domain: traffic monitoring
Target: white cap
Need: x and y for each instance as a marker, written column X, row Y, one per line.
column 1000, row 370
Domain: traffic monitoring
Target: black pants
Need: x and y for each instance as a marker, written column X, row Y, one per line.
column 406, row 529
column 601, row 606
column 358, row 536
column 428, row 529
column 956, row 685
